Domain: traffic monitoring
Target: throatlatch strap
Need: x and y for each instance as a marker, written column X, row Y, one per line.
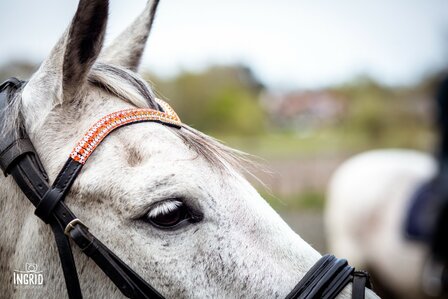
column 34, row 185
column 129, row 282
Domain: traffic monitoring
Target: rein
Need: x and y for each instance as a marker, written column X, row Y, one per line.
column 19, row 159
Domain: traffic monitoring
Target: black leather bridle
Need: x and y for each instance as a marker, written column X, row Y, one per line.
column 19, row 159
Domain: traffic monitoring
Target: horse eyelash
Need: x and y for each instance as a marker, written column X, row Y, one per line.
column 164, row 207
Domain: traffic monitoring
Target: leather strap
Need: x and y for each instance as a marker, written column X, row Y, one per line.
column 58, row 190
column 129, row 283
column 67, row 261
column 327, row 278
column 14, row 151
column 361, row 280
column 34, row 185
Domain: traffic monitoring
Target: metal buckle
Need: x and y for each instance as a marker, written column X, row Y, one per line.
column 71, row 225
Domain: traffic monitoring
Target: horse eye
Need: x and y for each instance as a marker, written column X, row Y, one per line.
column 169, row 214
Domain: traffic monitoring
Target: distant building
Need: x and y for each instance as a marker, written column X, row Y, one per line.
column 304, row 109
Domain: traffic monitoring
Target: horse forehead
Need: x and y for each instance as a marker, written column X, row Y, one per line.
column 150, row 139
column 147, row 150
column 141, row 156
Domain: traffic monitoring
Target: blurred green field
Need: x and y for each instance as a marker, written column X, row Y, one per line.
column 330, row 141
column 307, row 200
column 324, row 141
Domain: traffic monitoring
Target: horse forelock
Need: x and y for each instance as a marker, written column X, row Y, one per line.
column 133, row 89
column 124, row 84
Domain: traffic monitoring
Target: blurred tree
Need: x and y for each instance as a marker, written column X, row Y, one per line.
column 221, row 98
column 386, row 115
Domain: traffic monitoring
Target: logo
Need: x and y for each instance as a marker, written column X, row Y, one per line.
column 31, row 277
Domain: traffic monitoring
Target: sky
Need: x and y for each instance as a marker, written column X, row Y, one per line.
column 288, row 43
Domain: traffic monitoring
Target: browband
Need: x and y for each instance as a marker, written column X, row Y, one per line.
column 110, row 122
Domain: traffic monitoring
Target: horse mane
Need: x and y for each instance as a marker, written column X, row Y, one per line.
column 133, row 89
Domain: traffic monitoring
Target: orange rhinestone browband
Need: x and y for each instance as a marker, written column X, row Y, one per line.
column 110, row 122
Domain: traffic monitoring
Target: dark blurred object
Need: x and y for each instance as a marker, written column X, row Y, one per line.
column 439, row 242
column 427, row 219
column 442, row 122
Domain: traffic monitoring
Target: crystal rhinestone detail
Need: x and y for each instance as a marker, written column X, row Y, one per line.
column 89, row 142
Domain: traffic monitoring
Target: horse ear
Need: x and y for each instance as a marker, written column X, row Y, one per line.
column 127, row 49
column 65, row 71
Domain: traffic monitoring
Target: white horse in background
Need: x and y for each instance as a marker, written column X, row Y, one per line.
column 368, row 199
column 142, row 187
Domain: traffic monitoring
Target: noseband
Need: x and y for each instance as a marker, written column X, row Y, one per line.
column 19, row 159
